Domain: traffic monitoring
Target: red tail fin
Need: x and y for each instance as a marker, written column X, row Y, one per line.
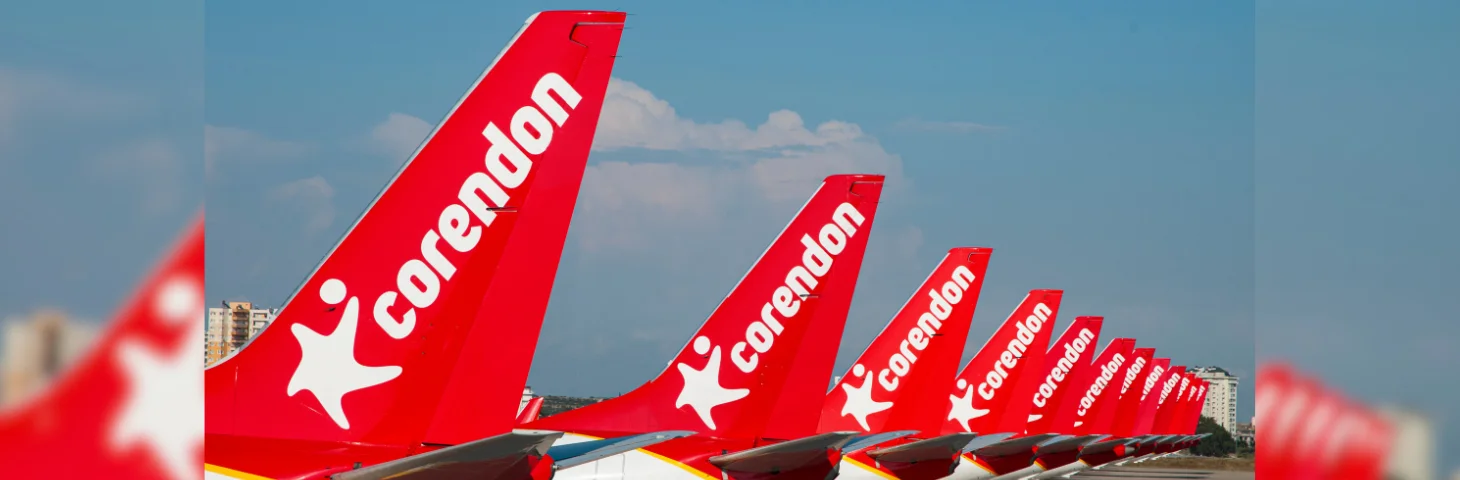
column 1104, row 411
column 1151, row 405
column 908, row 365
column 734, row 369
column 94, row 421
column 505, row 164
column 1066, row 363
column 982, row 399
column 1098, row 388
column 1193, row 413
column 493, row 366
column 1130, row 398
column 1166, row 419
column 530, row 411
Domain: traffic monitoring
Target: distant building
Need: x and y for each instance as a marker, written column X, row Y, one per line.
column 231, row 326
column 527, row 395
column 1245, row 433
column 1412, row 457
column 1221, row 403
column 36, row 350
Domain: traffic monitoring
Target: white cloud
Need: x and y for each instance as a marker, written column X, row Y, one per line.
column 236, row 144
column 152, row 167
column 28, row 96
column 727, row 165
column 634, row 118
column 399, row 135
column 946, row 127
column 312, row 197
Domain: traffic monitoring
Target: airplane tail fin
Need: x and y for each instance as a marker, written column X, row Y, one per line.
column 987, row 385
column 729, row 377
column 530, row 410
column 365, row 348
column 90, row 422
column 1186, row 425
column 1156, row 399
column 1065, row 365
column 1193, row 410
column 1167, row 420
column 1104, row 411
column 905, row 370
column 1139, row 380
column 1100, row 387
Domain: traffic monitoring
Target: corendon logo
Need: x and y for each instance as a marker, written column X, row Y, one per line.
column 1166, row 389
column 1107, row 372
column 941, row 301
column 1056, row 376
column 328, row 368
column 1151, row 381
column 962, row 410
column 940, row 304
column 1010, row 357
column 702, row 390
column 1132, row 374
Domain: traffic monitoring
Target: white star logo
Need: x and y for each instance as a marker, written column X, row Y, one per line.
column 327, row 366
column 163, row 408
column 702, row 390
column 963, row 410
column 859, row 400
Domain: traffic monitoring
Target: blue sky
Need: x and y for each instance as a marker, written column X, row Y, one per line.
column 1104, row 151
column 1180, row 168
column 1356, row 173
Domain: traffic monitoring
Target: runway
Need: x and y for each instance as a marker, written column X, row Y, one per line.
column 1165, row 473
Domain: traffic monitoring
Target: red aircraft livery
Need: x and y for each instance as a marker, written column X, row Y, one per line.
column 368, row 368
column 727, row 383
column 118, row 413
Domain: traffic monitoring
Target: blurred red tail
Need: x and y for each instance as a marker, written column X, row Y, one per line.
column 92, row 421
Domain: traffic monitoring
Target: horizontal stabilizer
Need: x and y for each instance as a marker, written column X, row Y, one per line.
column 491, row 457
column 784, row 456
column 865, row 441
column 942, row 447
column 986, row 440
column 574, row 454
column 1108, row 445
column 1067, row 443
column 1014, row 445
